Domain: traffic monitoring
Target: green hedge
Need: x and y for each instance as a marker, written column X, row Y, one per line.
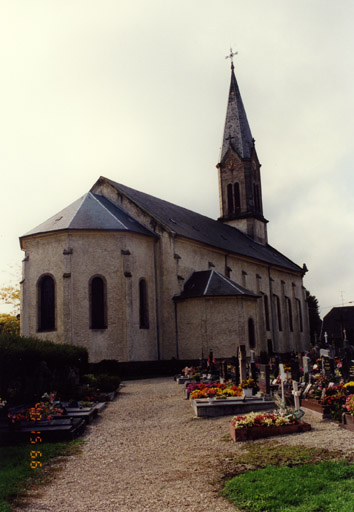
column 29, row 367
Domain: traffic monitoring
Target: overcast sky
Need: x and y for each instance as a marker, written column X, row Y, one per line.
column 136, row 91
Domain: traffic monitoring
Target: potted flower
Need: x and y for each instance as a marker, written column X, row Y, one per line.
column 247, row 386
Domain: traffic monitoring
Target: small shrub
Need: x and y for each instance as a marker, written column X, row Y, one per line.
column 107, row 383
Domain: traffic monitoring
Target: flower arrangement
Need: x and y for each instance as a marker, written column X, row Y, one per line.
column 349, row 404
column 275, row 419
column 41, row 411
column 214, row 389
column 248, row 383
column 192, row 371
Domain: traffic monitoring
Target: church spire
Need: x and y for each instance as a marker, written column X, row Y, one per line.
column 239, row 170
column 237, row 133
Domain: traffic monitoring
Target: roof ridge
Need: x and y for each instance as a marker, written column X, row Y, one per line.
column 209, row 279
column 77, row 209
column 106, row 209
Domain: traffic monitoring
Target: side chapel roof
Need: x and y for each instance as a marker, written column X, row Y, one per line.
column 91, row 212
column 192, row 225
column 210, row 283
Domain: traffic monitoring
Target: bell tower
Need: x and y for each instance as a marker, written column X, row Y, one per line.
column 239, row 170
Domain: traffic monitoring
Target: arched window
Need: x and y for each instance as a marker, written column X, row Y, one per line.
column 266, row 312
column 230, row 200
column 251, row 334
column 237, row 197
column 299, row 312
column 98, row 307
column 290, row 313
column 46, row 303
column 143, row 305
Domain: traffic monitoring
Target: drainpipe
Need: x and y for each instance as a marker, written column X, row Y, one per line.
column 157, row 304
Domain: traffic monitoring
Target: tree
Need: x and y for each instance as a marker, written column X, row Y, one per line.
column 9, row 324
column 11, row 295
column 314, row 317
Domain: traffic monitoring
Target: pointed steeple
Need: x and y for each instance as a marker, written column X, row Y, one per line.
column 239, row 171
column 237, row 132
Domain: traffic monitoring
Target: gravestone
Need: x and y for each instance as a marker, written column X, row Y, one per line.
column 253, row 371
column 223, row 371
column 295, row 370
column 282, row 376
column 351, row 371
column 263, row 380
column 211, row 364
column 234, row 371
column 306, row 367
column 324, row 352
column 328, row 367
column 296, row 394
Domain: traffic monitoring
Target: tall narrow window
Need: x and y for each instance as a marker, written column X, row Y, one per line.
column 266, row 312
column 251, row 334
column 98, row 317
column 278, row 310
column 46, row 303
column 143, row 305
column 237, row 197
column 230, row 200
column 290, row 313
column 299, row 312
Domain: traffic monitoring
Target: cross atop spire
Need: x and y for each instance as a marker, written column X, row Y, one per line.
column 231, row 56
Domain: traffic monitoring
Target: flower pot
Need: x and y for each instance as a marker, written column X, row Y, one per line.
column 247, row 392
column 211, row 399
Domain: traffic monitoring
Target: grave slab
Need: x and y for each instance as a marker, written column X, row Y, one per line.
column 204, row 408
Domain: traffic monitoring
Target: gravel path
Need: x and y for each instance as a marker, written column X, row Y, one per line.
column 148, row 453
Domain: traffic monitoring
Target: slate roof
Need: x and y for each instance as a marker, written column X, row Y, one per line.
column 91, row 212
column 236, row 124
column 209, row 283
column 202, row 229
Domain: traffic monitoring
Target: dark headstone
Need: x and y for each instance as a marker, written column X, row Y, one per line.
column 253, row 371
column 263, row 380
column 295, row 370
column 328, row 366
column 351, row 371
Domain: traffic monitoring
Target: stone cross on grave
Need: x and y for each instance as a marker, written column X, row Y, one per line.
column 242, row 362
column 296, row 394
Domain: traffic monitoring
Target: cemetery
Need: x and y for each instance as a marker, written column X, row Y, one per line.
column 244, row 387
column 30, row 370
column 252, row 400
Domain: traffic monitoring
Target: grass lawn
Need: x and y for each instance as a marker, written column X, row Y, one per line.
column 282, row 478
column 16, row 474
column 325, row 487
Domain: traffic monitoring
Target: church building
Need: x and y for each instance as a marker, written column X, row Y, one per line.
column 135, row 278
